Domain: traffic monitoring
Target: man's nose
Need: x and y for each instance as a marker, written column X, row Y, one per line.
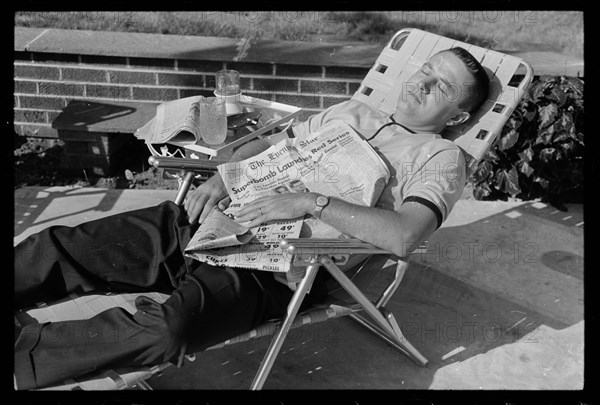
column 425, row 86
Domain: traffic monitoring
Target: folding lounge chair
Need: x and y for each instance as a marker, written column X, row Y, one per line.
column 403, row 55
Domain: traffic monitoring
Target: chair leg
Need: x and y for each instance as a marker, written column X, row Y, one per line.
column 387, row 324
column 143, row 385
column 405, row 348
column 184, row 187
column 284, row 327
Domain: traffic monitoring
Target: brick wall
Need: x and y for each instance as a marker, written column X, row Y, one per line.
column 46, row 82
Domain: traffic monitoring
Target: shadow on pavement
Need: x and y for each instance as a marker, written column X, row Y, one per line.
column 32, row 202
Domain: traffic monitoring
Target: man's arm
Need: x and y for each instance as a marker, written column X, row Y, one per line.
column 398, row 231
column 200, row 201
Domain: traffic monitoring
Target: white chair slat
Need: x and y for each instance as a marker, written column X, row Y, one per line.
column 377, row 81
column 374, row 99
column 477, row 150
column 387, row 57
column 363, row 98
column 476, row 116
column 411, row 41
column 409, row 46
column 492, row 61
column 443, row 43
column 423, row 51
column 507, row 98
column 507, row 69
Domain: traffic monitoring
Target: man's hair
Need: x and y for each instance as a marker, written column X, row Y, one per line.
column 477, row 94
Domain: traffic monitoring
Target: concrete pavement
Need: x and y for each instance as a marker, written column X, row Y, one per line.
column 495, row 303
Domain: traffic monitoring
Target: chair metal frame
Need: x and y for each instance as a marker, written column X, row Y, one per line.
column 402, row 56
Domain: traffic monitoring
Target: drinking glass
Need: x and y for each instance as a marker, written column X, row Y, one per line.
column 213, row 120
column 228, row 83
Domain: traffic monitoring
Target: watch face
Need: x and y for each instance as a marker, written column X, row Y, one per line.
column 322, row 201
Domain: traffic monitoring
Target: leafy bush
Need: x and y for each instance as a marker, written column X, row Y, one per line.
column 539, row 153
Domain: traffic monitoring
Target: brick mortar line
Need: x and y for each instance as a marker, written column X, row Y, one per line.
column 109, row 68
column 150, row 86
column 35, row 109
column 183, row 72
column 87, row 98
column 42, row 124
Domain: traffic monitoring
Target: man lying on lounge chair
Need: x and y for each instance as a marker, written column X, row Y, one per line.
column 142, row 250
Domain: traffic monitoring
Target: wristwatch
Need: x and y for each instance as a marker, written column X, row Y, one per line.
column 320, row 202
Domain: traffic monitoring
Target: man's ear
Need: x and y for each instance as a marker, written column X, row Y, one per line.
column 459, row 118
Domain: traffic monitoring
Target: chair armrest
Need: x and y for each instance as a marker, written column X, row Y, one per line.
column 330, row 246
column 163, row 162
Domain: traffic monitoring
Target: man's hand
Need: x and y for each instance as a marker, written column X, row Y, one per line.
column 277, row 207
column 200, row 201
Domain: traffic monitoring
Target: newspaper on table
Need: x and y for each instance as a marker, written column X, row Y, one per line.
column 175, row 120
column 180, row 121
column 336, row 162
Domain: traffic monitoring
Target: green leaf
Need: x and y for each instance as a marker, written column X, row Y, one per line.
column 514, row 122
column 526, row 169
column 566, row 122
column 562, row 136
column 545, row 136
column 536, row 92
column 547, row 154
column 508, row 140
column 567, row 148
column 481, row 191
column 572, row 85
column 491, row 156
column 541, row 181
column 530, row 113
column 508, row 181
column 482, row 172
column 526, row 155
column 557, row 95
column 547, row 114
column 546, row 81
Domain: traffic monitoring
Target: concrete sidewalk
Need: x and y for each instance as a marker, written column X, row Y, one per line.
column 495, row 303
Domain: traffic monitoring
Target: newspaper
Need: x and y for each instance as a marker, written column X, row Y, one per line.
column 176, row 120
column 335, row 162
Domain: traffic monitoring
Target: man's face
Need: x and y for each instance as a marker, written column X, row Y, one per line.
column 431, row 97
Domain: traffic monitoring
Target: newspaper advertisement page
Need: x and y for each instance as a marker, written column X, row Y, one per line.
column 335, row 162
column 174, row 120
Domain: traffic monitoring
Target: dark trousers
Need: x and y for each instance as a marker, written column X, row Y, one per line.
column 137, row 251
